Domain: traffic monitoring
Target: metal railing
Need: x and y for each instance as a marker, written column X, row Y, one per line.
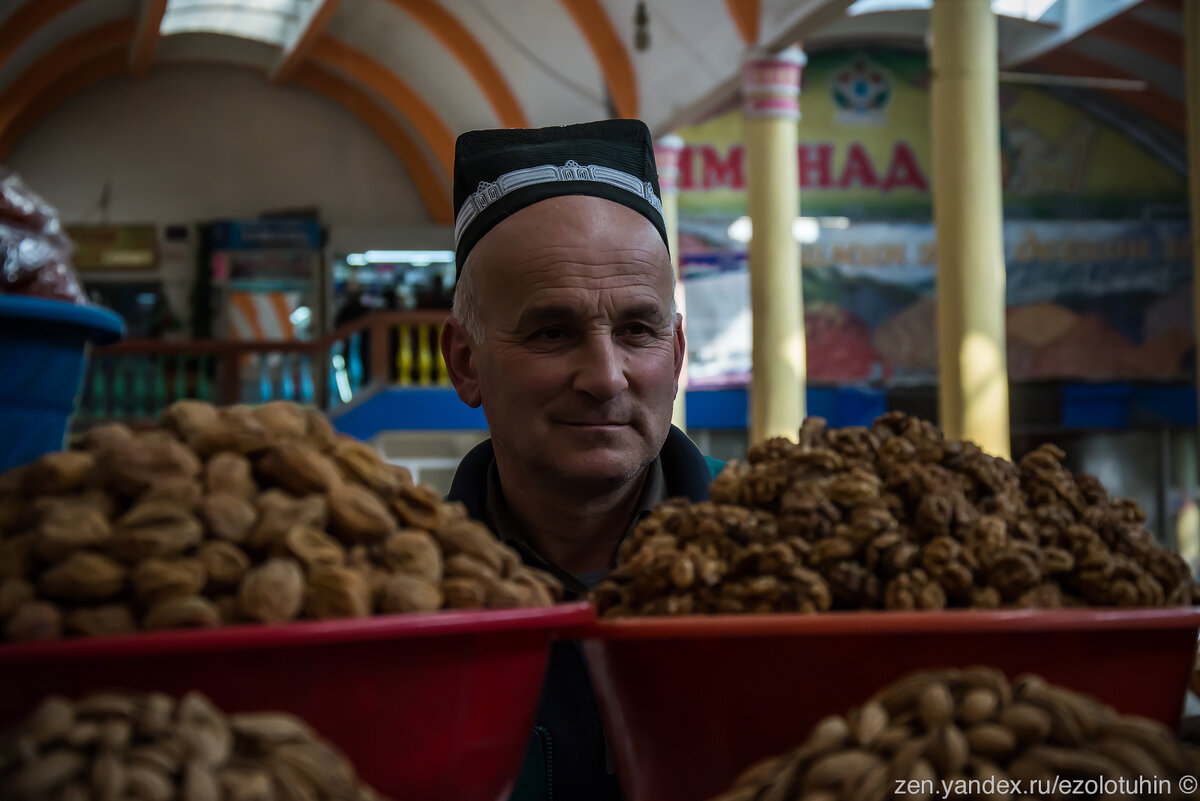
column 136, row 378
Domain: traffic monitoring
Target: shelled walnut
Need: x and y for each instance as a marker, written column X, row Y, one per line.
column 891, row 517
column 971, row 734
column 235, row 515
column 110, row 746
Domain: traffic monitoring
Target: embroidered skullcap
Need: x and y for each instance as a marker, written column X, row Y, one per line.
column 499, row 172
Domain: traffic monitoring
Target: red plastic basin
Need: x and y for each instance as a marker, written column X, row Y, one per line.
column 433, row 707
column 691, row 702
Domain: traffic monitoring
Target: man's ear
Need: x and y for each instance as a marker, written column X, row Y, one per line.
column 458, row 351
column 680, row 347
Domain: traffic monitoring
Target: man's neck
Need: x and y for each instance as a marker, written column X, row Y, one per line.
column 578, row 533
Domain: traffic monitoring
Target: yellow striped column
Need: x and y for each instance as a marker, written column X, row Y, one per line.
column 1191, row 27
column 666, row 156
column 968, row 212
column 771, row 94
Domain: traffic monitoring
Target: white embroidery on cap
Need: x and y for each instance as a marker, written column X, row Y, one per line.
column 489, row 192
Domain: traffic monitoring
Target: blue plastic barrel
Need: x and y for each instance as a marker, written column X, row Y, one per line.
column 43, row 353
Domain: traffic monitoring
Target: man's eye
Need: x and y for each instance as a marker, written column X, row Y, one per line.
column 551, row 334
column 638, row 329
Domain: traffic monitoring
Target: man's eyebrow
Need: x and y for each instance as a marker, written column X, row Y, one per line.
column 652, row 312
column 540, row 315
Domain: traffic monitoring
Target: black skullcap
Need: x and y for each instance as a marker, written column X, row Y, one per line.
column 499, row 172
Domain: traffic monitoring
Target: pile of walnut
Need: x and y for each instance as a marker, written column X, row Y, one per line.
column 236, row 515
column 892, row 517
column 110, row 746
column 947, row 734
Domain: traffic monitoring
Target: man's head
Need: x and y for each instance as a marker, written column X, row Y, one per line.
column 564, row 330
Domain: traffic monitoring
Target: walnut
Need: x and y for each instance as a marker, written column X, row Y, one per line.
column 187, row 418
column 101, row 621
column 60, row 472
column 99, row 437
column 282, row 420
column 156, row 580
column 404, row 593
column 298, row 468
column 83, row 576
column 362, row 463
column 13, row 593
column 279, row 513
column 914, row 590
column 154, row 529
column 190, row 612
column 236, row 430
column 358, row 515
column 131, row 468
column 464, row 593
column 417, row 507
column 16, row 555
column 337, row 592
column 228, row 516
column 1013, row 573
column 473, row 539
column 34, row 620
column 320, row 432
column 67, row 528
column 272, row 592
column 415, row 553
column 314, row 547
column 231, row 473
column 185, row 492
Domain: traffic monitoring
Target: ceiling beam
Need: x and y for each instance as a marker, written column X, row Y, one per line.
column 58, row 62
column 463, row 45
column 26, row 21
column 141, row 53
column 1143, row 37
column 370, row 74
column 1153, row 103
column 309, row 30
column 615, row 64
column 746, row 14
column 430, row 186
column 1075, row 18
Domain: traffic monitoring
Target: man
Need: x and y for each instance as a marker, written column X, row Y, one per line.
column 564, row 330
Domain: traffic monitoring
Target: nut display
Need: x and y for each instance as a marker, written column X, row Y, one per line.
column 236, row 515
column 970, row 734
column 112, row 746
column 891, row 517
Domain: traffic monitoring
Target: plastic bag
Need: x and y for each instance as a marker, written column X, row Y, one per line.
column 35, row 254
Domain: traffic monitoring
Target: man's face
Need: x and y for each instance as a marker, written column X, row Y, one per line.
column 581, row 355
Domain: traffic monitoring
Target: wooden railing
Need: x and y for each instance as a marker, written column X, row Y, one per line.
column 134, row 379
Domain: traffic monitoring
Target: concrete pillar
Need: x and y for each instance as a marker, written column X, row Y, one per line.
column 1191, row 32
column 969, row 214
column 666, row 155
column 771, row 91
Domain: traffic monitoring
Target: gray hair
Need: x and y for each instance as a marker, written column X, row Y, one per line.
column 465, row 306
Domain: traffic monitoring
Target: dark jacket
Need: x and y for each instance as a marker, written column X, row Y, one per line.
column 568, row 757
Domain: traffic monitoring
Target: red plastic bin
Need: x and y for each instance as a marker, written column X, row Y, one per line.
column 691, row 702
column 436, row 707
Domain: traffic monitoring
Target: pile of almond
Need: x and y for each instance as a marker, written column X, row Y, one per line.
column 236, row 515
column 892, row 517
column 114, row 746
column 970, row 734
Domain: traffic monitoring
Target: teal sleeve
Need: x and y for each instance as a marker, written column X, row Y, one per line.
column 536, row 782
column 714, row 466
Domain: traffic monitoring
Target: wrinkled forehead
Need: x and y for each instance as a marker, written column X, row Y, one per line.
column 571, row 245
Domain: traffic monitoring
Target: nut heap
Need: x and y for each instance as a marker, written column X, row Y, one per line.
column 968, row 734
column 891, row 517
column 113, row 746
column 236, row 515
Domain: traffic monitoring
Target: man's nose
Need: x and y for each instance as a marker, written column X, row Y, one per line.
column 601, row 369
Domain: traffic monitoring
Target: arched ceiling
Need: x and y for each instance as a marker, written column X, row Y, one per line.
column 419, row 72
